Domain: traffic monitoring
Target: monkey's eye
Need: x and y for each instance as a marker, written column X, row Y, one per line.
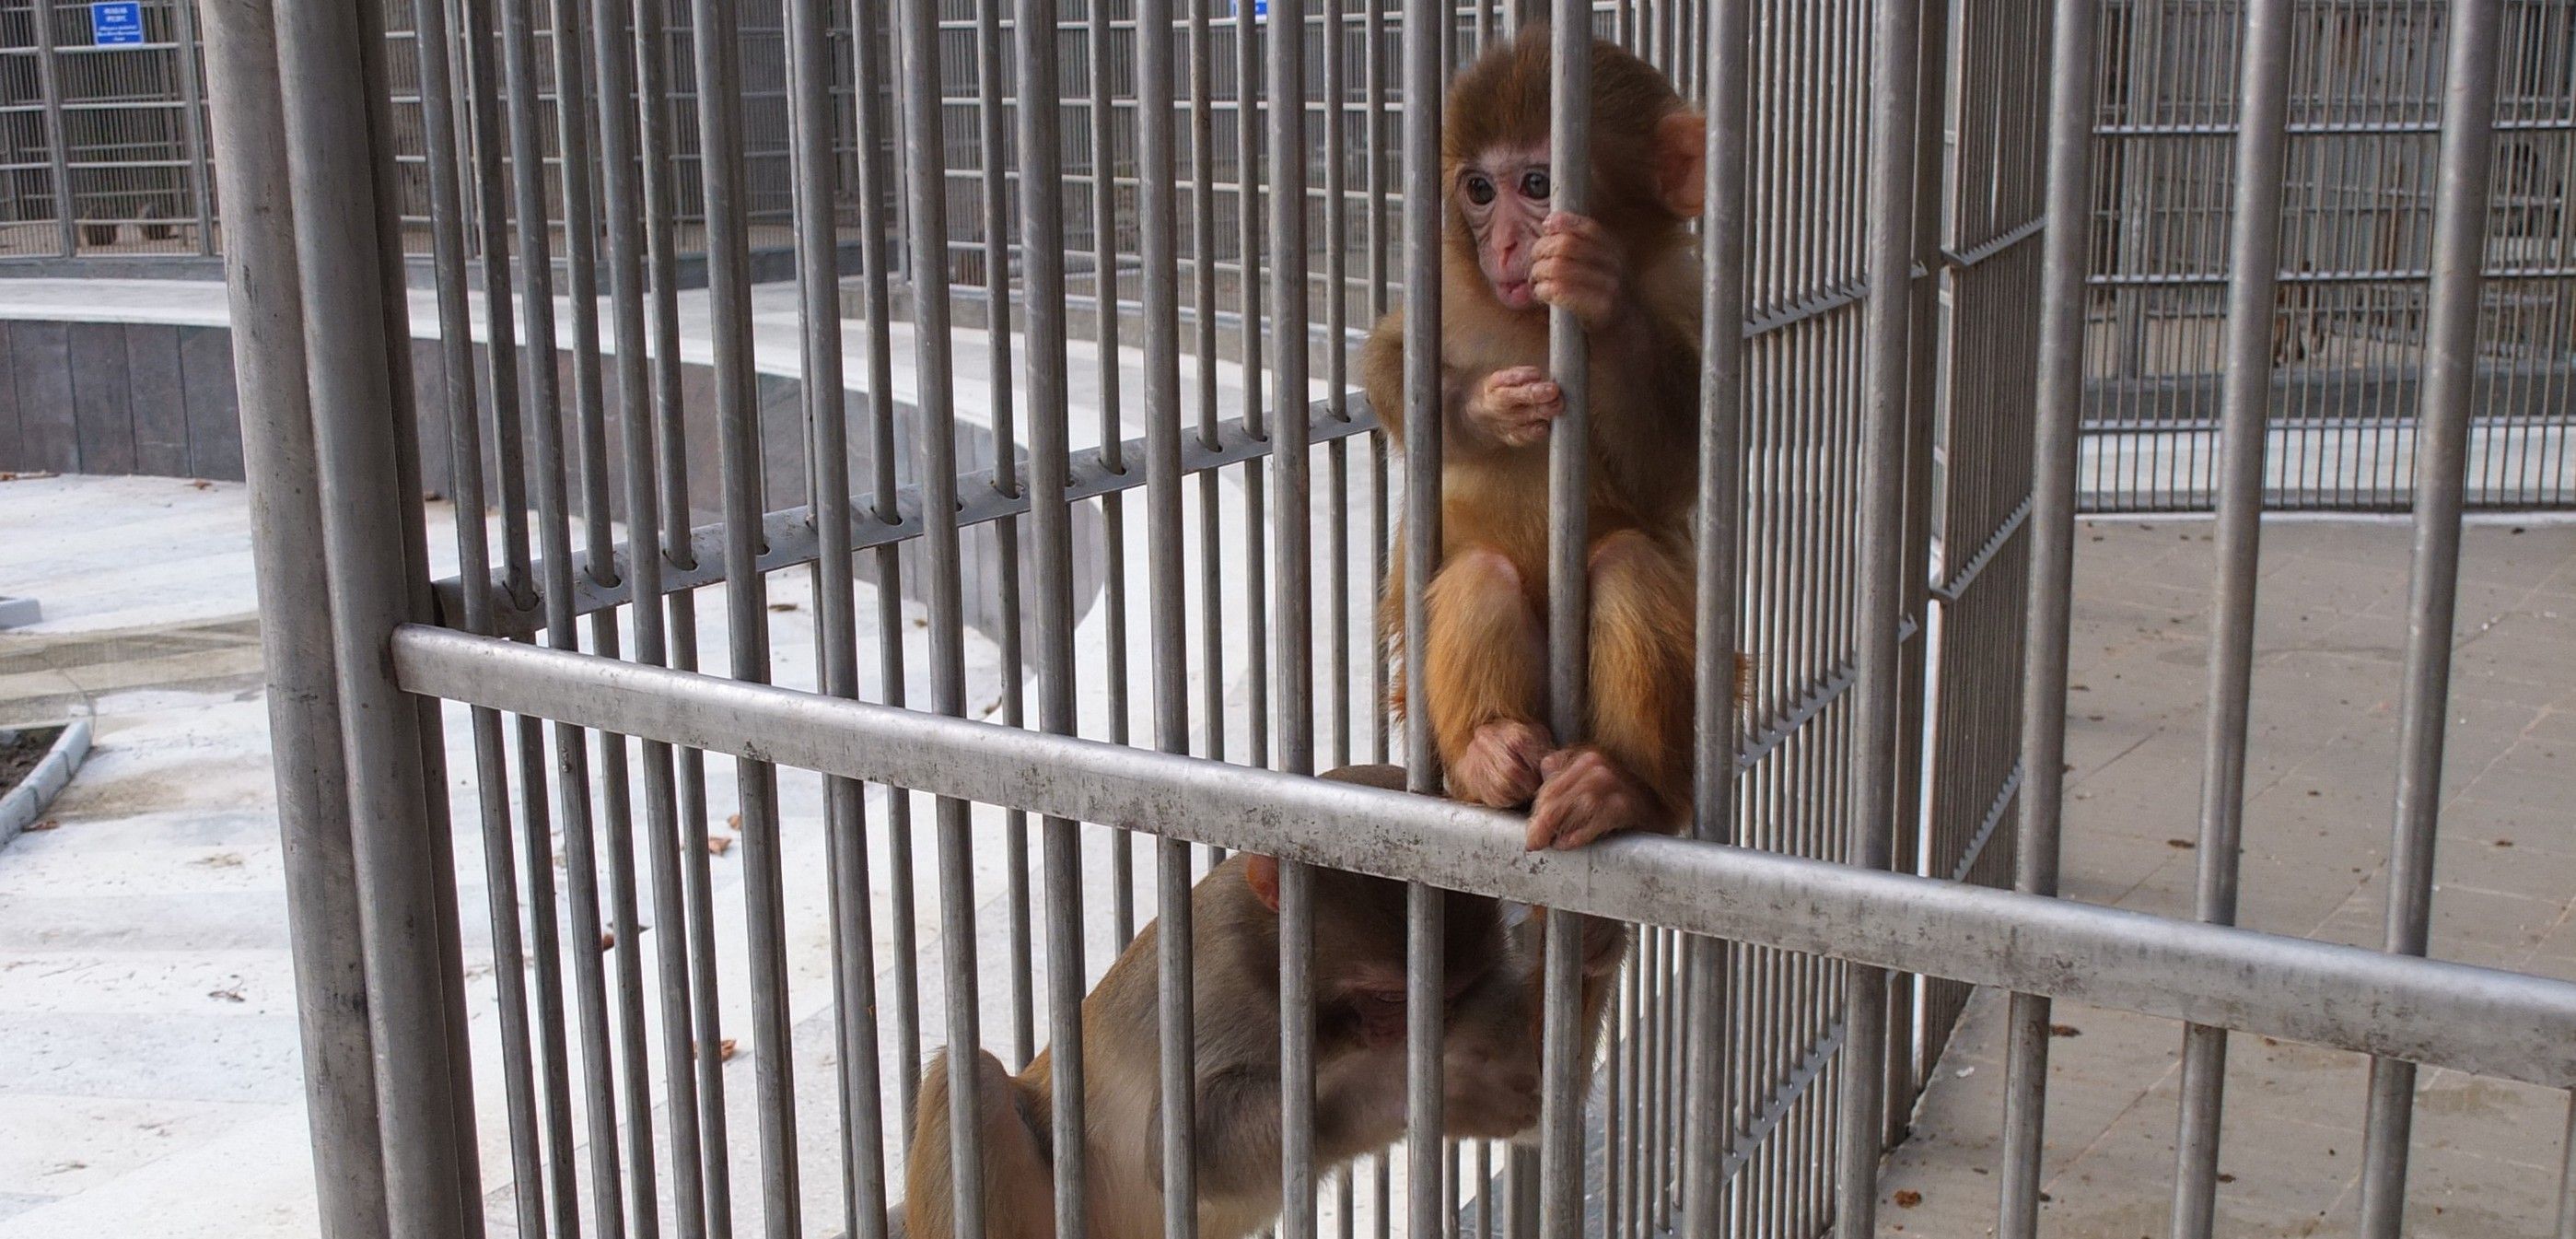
column 1379, row 997
column 1534, row 185
column 1480, row 189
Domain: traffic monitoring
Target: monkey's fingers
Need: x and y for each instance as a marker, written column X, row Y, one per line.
column 1583, row 796
column 1569, row 224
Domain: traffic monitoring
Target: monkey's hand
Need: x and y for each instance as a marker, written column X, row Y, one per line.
column 1576, row 266
column 1585, row 796
column 1515, row 406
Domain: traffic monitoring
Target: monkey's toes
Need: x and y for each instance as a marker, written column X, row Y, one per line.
column 1583, row 795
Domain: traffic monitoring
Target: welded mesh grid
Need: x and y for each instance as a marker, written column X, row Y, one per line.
column 2357, row 225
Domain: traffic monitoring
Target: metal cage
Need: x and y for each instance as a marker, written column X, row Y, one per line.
column 1080, row 423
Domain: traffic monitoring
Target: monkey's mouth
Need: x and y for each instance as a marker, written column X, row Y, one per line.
column 1515, row 294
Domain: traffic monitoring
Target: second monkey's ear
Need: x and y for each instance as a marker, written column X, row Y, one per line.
column 1261, row 873
column 1681, row 159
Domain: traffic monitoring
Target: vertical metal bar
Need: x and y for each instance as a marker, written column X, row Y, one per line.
column 2254, row 241
column 925, row 192
column 1568, row 617
column 572, row 770
column 1051, row 521
column 715, row 39
column 456, row 347
column 1931, row 128
column 813, row 121
column 1292, row 529
column 623, row 924
column 1709, row 1127
column 1113, row 435
column 1156, row 216
column 192, row 97
column 1337, row 302
column 1426, row 986
column 1893, row 69
column 279, row 457
column 615, row 50
column 2441, row 466
column 322, row 48
column 2056, row 451
column 869, row 40
column 695, row 911
column 2567, row 1176
column 1203, row 311
column 993, row 152
column 1248, row 255
column 49, row 83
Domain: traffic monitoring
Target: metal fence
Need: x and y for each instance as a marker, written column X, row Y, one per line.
column 2353, row 302
column 1895, row 368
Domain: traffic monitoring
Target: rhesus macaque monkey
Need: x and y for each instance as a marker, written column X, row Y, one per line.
column 1491, row 1056
column 1630, row 275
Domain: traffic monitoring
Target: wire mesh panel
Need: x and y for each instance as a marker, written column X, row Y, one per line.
column 2365, row 95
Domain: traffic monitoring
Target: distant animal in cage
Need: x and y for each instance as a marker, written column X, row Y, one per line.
column 1629, row 272
column 1494, row 975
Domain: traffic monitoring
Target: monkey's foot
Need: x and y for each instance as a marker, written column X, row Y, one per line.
column 1584, row 795
column 1500, row 768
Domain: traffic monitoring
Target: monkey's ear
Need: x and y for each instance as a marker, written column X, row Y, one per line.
column 1681, row 163
column 1261, row 873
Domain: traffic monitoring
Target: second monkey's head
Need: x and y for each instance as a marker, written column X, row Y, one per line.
column 1498, row 181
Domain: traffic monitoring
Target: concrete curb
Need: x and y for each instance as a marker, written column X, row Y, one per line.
column 19, row 809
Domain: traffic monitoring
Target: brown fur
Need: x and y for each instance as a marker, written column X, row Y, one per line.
column 1491, row 1057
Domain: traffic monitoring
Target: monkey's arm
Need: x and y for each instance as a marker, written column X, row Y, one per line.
column 1482, row 409
column 1238, row 1133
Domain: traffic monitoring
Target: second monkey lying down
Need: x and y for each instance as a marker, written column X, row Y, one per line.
column 1491, row 1055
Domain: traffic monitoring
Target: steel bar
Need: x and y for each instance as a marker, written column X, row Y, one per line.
column 1716, row 712
column 694, row 911
column 1893, row 68
column 2476, row 1020
column 992, row 155
column 370, row 562
column 572, row 806
column 49, row 87
column 715, row 45
column 918, row 53
column 2460, row 212
column 2567, row 1176
column 2254, row 242
column 870, row 28
column 614, row 50
column 1203, row 310
column 1255, row 530
column 1113, row 507
column 1425, row 22
column 1156, row 216
column 192, row 123
column 619, row 923
column 2056, row 453
column 1569, row 616
column 280, row 461
column 813, row 122
column 1292, row 530
column 1050, row 521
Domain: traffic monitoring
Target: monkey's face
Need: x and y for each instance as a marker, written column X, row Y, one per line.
column 1502, row 195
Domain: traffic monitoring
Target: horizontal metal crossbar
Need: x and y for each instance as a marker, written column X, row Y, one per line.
column 2447, row 1014
column 789, row 538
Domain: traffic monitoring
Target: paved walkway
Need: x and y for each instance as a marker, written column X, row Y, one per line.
column 2330, row 642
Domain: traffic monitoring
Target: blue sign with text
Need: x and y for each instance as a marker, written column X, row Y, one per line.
column 114, row 23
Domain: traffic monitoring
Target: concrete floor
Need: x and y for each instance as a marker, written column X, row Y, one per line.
column 2320, row 788
column 153, row 1085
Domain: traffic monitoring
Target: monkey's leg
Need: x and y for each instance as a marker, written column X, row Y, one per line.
column 1019, row 1181
column 1484, row 659
column 1635, row 770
